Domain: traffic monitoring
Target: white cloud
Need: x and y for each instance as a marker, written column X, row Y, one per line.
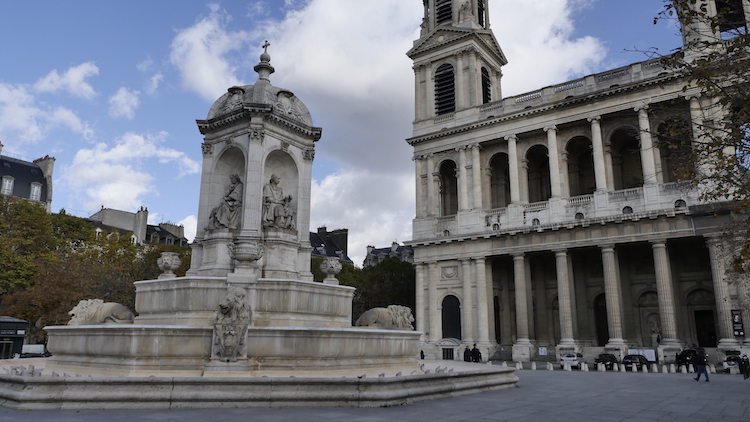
column 199, row 53
column 72, row 81
column 117, row 176
column 153, row 83
column 22, row 120
column 190, row 223
column 124, row 103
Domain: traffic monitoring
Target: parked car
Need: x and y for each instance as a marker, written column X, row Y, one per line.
column 731, row 358
column 686, row 357
column 634, row 360
column 609, row 360
column 575, row 360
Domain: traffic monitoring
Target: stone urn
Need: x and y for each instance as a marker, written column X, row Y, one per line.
column 330, row 267
column 168, row 262
column 246, row 253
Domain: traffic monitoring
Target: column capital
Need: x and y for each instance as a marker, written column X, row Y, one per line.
column 550, row 128
column 593, row 119
column 518, row 256
column 475, row 145
column 561, row 251
column 641, row 108
column 691, row 97
column 480, row 259
column 659, row 243
column 513, row 138
column 607, row 247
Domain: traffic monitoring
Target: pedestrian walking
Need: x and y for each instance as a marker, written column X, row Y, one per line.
column 701, row 362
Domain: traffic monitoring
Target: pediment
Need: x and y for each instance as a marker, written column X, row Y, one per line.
column 452, row 36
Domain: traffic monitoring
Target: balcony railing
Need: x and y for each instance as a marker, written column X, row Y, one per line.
column 626, row 193
column 580, row 200
column 536, row 206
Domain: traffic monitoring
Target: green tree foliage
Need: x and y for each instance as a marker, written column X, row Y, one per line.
column 390, row 282
column 50, row 262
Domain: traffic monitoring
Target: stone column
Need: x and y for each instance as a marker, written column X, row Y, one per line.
column 554, row 161
column 467, row 307
column 419, row 311
column 564, row 295
column 460, row 82
column 419, row 180
column 524, row 180
column 647, row 146
column 435, row 332
column 515, row 187
column 482, row 310
column 430, row 90
column 474, row 89
column 476, row 172
column 433, row 196
column 600, row 172
column 665, row 292
column 419, row 94
column 719, row 260
column 522, row 312
column 613, row 296
column 463, row 180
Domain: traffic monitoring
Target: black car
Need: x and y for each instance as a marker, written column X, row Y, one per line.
column 634, row 360
column 609, row 360
column 686, row 357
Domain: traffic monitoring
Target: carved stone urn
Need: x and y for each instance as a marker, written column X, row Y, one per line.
column 168, row 262
column 246, row 253
column 330, row 267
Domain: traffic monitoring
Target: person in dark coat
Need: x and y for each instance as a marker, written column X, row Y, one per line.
column 476, row 356
column 700, row 363
column 467, row 354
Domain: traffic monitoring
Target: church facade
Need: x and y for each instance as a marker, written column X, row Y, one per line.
column 551, row 221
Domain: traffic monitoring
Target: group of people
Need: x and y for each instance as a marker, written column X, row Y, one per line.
column 472, row 355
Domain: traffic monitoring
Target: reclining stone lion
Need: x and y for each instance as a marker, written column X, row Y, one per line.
column 97, row 311
column 394, row 317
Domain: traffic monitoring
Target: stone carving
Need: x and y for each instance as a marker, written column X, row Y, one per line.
column 207, row 149
column 97, row 311
column 330, row 267
column 465, row 12
column 230, row 327
column 394, row 317
column 654, row 324
column 286, row 106
column 449, row 272
column 277, row 208
column 246, row 252
column 234, row 101
column 227, row 214
column 168, row 262
column 308, row 154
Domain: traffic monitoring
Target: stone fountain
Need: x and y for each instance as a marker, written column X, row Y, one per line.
column 246, row 326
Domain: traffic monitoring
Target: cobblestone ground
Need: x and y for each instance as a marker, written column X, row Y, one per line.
column 540, row 396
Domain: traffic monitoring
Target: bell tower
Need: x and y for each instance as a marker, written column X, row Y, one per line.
column 457, row 60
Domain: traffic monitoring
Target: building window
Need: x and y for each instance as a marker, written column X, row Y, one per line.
column 445, row 92
column 486, row 86
column 7, row 188
column 444, row 10
column 480, row 12
column 36, row 191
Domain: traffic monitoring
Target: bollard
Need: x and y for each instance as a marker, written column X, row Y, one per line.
column 672, row 368
column 615, row 367
column 644, row 369
column 567, row 367
column 691, row 368
column 623, row 368
column 585, row 367
column 519, row 366
column 533, row 366
column 655, row 368
column 550, row 367
column 683, row 369
column 712, row 368
column 504, row 364
column 664, row 369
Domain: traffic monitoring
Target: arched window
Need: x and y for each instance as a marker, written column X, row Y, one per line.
column 451, row 317
column 626, row 159
column 580, row 167
column 445, row 91
column 674, row 139
column 448, row 188
column 444, row 10
column 538, row 174
column 486, row 86
column 500, row 181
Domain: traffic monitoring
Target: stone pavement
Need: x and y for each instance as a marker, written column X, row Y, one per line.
column 541, row 396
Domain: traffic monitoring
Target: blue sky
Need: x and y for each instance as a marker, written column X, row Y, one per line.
column 112, row 90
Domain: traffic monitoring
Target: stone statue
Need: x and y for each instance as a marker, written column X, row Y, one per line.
column 654, row 325
column 227, row 214
column 96, row 311
column 230, row 327
column 465, row 12
column 394, row 317
column 277, row 208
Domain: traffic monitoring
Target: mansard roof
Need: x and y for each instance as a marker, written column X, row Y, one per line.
column 24, row 173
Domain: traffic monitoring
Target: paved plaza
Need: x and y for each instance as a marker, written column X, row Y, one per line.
column 540, row 396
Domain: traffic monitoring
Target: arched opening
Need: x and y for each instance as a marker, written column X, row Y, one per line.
column 701, row 306
column 626, row 159
column 580, row 167
column 600, row 320
column 444, row 11
column 448, row 188
column 499, row 180
column 538, row 174
column 451, row 317
column 674, row 139
column 486, row 86
column 445, row 90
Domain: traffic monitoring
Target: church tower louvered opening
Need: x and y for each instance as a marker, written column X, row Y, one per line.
column 444, row 12
column 445, row 90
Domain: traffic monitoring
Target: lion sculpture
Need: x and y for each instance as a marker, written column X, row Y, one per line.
column 230, row 327
column 394, row 317
column 97, row 311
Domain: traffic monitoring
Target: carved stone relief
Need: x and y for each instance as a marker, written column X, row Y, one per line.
column 448, row 272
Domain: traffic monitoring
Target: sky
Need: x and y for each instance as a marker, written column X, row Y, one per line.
column 112, row 90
